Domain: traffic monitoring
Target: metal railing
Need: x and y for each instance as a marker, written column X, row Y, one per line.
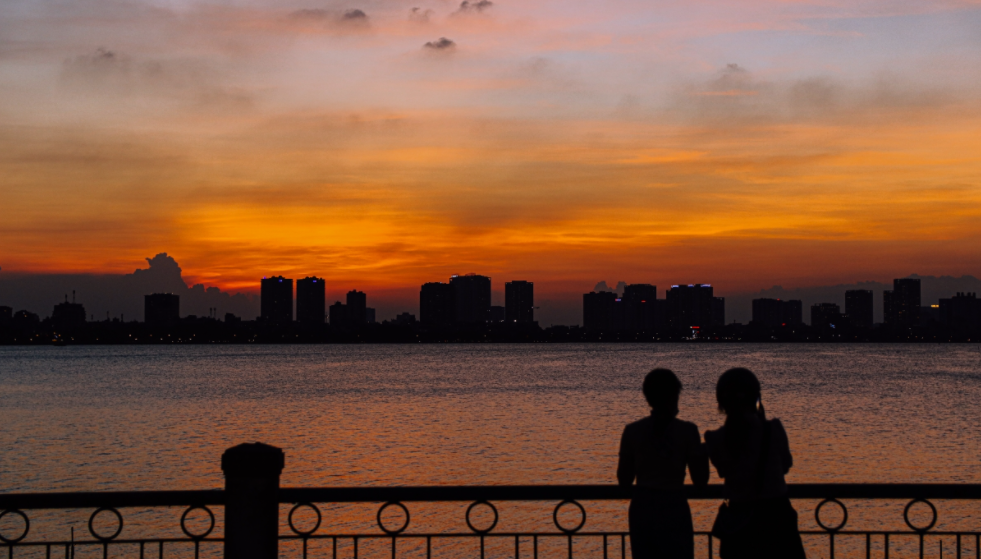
column 258, row 515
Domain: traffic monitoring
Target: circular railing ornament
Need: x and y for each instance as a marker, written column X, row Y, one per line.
column 555, row 516
column 470, row 524
column 316, row 510
column 211, row 517
column 99, row 536
column 933, row 520
column 844, row 512
column 400, row 529
column 27, row 526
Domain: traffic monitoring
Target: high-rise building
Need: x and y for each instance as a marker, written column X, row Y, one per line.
column 773, row 313
column 161, row 309
column 961, row 312
column 496, row 313
column 405, row 318
column 691, row 305
column 639, row 307
column 6, row 315
column 473, row 298
column 858, row 307
column 767, row 312
column 519, row 301
column 901, row 306
column 311, row 300
column 793, row 312
column 276, row 300
column 437, row 304
column 68, row 315
column 369, row 315
column 337, row 314
column 718, row 311
column 357, row 307
column 825, row 316
column 597, row 310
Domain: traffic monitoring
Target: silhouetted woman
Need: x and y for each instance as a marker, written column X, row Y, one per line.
column 656, row 450
column 752, row 455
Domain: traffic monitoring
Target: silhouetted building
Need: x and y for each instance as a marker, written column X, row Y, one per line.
column 597, row 310
column 437, row 304
column 405, row 318
column 6, row 315
column 858, row 307
column 68, row 315
column 276, row 300
column 25, row 320
column 232, row 319
column 825, row 316
column 473, row 298
column 161, row 309
column 338, row 315
column 357, row 307
column 639, row 308
column 929, row 316
column 496, row 313
column 961, row 312
column 691, row 305
column 519, row 301
column 773, row 313
column 901, row 306
column 369, row 315
column 718, row 311
column 311, row 300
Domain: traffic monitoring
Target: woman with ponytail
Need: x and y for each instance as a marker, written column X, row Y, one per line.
column 752, row 455
column 656, row 451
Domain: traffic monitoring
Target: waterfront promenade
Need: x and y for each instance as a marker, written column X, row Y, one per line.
column 253, row 517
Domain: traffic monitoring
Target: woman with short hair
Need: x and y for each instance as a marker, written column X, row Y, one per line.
column 656, row 451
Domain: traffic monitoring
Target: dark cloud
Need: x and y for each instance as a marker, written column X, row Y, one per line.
column 310, row 14
column 121, row 293
column 474, row 6
column 602, row 287
column 355, row 15
column 419, row 15
column 442, row 44
column 352, row 17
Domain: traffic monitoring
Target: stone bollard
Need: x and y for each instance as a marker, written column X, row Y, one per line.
column 252, row 500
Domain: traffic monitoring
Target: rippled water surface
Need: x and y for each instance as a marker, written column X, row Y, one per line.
column 114, row 418
column 87, row 418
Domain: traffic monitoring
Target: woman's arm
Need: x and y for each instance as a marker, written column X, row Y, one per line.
column 713, row 447
column 698, row 466
column 625, row 469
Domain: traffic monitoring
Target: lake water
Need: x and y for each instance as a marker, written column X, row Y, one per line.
column 159, row 417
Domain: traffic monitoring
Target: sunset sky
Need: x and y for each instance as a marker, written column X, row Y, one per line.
column 745, row 144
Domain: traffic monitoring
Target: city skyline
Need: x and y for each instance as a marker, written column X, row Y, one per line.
column 37, row 294
column 745, row 144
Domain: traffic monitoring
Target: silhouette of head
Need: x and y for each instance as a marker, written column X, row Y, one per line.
column 662, row 388
column 738, row 391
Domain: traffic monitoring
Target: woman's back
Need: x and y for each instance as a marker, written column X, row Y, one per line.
column 659, row 453
column 737, row 462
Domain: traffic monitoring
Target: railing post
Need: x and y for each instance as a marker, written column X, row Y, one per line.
column 252, row 501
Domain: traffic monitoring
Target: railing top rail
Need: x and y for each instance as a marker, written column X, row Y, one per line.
column 615, row 492
column 120, row 499
column 115, row 499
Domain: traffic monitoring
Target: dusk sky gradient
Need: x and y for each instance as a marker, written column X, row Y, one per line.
column 743, row 144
